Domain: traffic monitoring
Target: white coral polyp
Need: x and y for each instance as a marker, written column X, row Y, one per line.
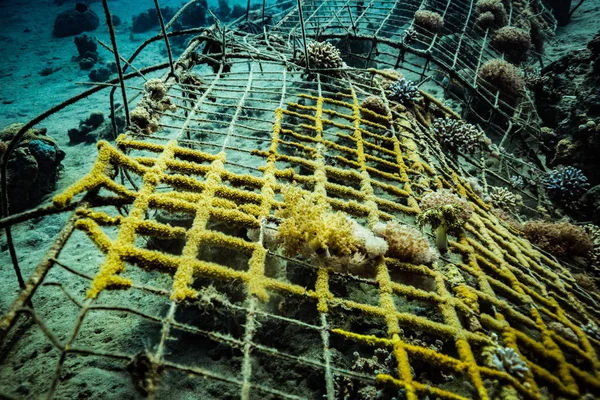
column 507, row 359
column 374, row 246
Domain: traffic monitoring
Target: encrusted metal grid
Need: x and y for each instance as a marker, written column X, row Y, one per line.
column 311, row 133
column 236, row 136
column 383, row 32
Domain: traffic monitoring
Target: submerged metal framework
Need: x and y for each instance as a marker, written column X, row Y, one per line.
column 236, row 137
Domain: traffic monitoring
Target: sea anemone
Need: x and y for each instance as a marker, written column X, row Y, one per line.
column 445, row 212
column 559, row 238
column 405, row 243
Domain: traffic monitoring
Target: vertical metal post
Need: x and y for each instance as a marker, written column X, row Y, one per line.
column 113, row 41
column 303, row 34
column 164, row 33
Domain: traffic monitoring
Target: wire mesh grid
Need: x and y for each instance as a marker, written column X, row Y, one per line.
column 386, row 32
column 257, row 324
column 229, row 294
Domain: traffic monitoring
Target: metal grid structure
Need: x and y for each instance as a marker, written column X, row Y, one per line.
column 384, row 33
column 235, row 138
column 457, row 52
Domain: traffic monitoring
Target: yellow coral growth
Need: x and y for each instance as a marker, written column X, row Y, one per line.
column 467, row 296
column 310, row 226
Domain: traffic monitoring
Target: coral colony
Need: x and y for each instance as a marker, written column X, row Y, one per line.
column 404, row 91
column 457, row 135
column 566, row 185
column 445, row 212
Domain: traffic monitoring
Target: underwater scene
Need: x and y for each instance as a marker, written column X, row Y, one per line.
column 300, row 199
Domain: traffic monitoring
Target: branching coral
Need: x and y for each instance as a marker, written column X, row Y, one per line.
column 566, row 185
column 322, row 55
column 559, row 238
column 499, row 75
column 374, row 109
column 457, row 135
column 429, row 20
column 504, row 199
column 404, row 91
column 508, row 360
column 405, row 243
column 513, row 42
column 445, row 212
column 517, row 181
column 494, row 7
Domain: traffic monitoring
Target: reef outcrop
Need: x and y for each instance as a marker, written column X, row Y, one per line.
column 32, row 167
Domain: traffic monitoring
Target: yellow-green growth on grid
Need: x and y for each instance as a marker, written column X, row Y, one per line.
column 515, row 291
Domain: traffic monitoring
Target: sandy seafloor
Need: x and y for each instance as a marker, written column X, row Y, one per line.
column 27, row 46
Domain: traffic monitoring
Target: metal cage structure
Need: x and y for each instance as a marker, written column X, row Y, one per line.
column 175, row 298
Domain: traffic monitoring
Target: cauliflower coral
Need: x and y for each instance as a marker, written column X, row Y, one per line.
column 404, row 91
column 445, row 212
column 457, row 135
column 322, row 55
